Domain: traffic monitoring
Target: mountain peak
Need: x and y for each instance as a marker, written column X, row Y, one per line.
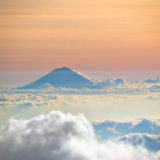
column 62, row 69
column 61, row 77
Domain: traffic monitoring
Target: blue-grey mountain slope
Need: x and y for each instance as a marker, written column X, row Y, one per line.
column 61, row 77
column 150, row 81
column 113, row 128
column 145, row 132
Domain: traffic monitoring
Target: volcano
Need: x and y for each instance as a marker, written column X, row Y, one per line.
column 61, row 77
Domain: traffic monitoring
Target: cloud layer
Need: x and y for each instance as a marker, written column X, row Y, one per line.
column 95, row 107
column 59, row 136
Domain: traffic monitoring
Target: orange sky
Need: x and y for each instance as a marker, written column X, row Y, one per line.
column 82, row 34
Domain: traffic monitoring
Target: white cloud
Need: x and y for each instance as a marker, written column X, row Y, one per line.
column 59, row 136
column 151, row 142
column 95, row 107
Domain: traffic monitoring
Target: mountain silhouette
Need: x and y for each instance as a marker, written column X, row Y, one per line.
column 61, row 77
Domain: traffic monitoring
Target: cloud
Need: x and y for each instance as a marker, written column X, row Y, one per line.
column 151, row 142
column 108, row 129
column 59, row 136
column 95, row 107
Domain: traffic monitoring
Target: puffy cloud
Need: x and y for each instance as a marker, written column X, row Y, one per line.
column 59, row 136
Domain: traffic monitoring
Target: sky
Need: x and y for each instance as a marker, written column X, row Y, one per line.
column 101, row 39
column 81, row 34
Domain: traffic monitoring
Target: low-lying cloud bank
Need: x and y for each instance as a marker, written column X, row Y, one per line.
column 59, row 136
column 95, row 107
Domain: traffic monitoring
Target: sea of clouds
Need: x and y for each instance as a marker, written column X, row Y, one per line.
column 94, row 106
column 59, row 136
column 111, row 130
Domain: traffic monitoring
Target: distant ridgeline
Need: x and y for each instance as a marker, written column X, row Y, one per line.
column 157, row 80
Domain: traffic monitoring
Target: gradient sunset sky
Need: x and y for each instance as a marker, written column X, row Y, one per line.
column 82, row 34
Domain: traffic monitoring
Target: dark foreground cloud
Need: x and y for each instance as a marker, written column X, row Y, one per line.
column 59, row 136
